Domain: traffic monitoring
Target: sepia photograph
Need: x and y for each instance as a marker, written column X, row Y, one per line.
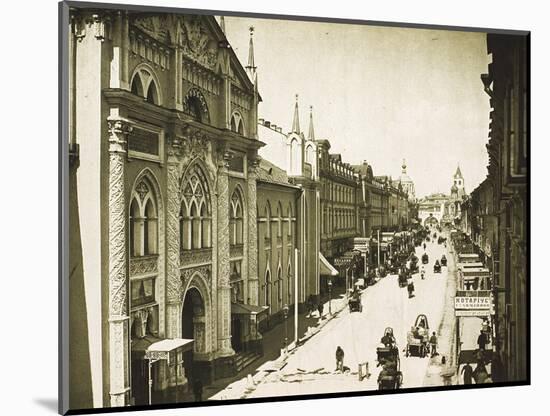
column 264, row 207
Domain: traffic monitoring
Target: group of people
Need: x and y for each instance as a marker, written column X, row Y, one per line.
column 312, row 307
column 480, row 374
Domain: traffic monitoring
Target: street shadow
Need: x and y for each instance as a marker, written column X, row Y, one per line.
column 47, row 403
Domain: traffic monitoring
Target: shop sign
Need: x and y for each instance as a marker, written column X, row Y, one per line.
column 472, row 312
column 473, row 300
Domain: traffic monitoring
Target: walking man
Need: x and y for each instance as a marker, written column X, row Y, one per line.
column 482, row 340
column 339, row 359
column 467, row 370
column 433, row 344
column 320, row 309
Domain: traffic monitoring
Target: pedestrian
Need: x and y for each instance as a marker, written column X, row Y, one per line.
column 467, row 370
column 447, row 372
column 320, row 309
column 197, row 390
column 339, row 359
column 482, row 340
column 310, row 306
column 433, row 344
column 480, row 373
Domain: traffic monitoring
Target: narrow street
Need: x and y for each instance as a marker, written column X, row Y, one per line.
column 310, row 369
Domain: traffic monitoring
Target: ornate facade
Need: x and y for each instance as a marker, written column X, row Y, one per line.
column 164, row 132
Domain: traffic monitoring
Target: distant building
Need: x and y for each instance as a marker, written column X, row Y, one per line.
column 442, row 209
column 407, row 183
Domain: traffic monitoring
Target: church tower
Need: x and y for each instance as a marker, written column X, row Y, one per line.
column 458, row 184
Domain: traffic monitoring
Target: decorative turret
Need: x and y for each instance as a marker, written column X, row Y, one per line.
column 311, row 133
column 251, row 68
column 296, row 119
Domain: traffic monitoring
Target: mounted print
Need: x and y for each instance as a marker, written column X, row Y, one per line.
column 266, row 208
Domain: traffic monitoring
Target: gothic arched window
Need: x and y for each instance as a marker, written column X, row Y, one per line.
column 194, row 104
column 143, row 221
column 144, row 84
column 196, row 211
column 236, row 219
column 237, row 123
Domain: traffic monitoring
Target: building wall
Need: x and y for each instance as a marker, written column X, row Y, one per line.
column 340, row 187
column 136, row 162
column 277, row 239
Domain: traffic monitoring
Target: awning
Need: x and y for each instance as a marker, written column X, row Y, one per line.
column 325, row 268
column 166, row 348
column 244, row 309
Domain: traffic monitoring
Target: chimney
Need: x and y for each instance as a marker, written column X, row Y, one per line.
column 280, row 129
column 274, row 126
column 267, row 123
column 261, row 121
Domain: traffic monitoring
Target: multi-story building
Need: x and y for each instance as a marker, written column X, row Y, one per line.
column 287, row 192
column 495, row 213
column 507, row 85
column 339, row 202
column 163, row 140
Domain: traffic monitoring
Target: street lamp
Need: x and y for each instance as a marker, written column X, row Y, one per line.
column 329, row 296
column 285, row 312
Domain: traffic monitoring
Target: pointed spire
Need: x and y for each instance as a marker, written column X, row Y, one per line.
column 222, row 24
column 311, row 133
column 458, row 173
column 296, row 120
column 251, row 68
column 404, row 167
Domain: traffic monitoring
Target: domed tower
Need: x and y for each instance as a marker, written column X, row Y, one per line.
column 406, row 182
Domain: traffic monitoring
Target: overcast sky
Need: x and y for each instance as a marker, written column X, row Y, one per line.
column 378, row 94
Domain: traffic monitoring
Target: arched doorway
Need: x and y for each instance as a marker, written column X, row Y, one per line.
column 192, row 324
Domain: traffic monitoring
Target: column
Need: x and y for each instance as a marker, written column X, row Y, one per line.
column 118, row 250
column 224, row 289
column 173, row 277
column 252, row 245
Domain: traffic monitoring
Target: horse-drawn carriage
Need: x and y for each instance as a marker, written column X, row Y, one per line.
column 425, row 258
column 388, row 357
column 437, row 267
column 418, row 338
column 444, row 260
column 354, row 302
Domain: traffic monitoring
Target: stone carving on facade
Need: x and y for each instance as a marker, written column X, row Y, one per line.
column 236, row 251
column 187, row 275
column 118, row 132
column 173, row 224
column 196, row 42
column 143, row 265
column 155, row 26
column 119, row 128
column 198, row 256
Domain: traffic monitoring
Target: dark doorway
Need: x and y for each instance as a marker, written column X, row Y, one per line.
column 236, row 335
column 193, row 306
column 140, row 380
